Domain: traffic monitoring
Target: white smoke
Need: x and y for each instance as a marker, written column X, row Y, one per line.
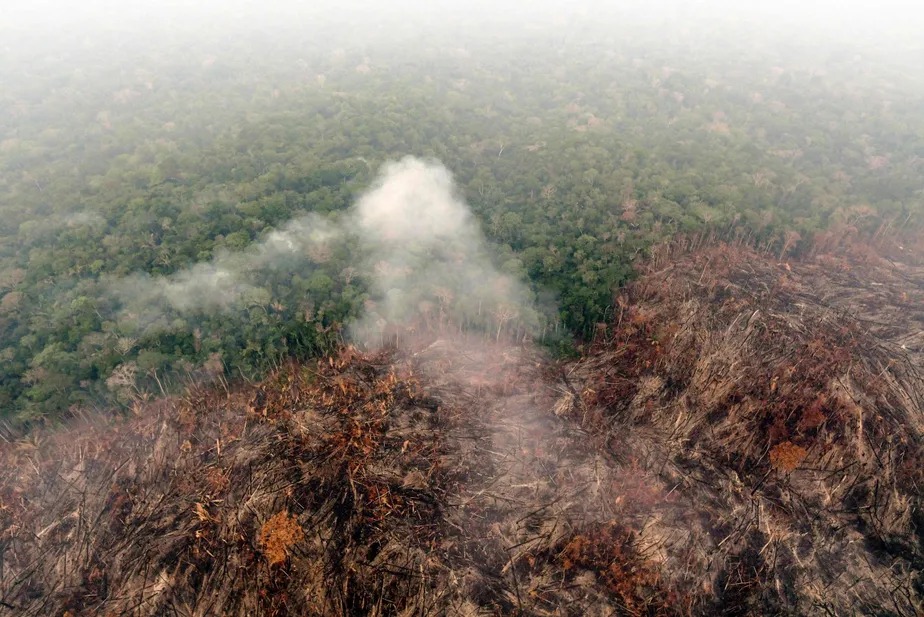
column 229, row 282
column 411, row 236
column 428, row 258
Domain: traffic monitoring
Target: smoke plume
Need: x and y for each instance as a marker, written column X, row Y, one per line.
column 427, row 258
column 411, row 237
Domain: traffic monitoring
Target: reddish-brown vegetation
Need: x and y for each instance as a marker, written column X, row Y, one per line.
column 609, row 551
column 787, row 456
column 782, row 403
column 744, row 438
column 278, row 535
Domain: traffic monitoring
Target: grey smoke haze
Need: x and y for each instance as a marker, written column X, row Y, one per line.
column 231, row 281
column 414, row 240
column 48, row 23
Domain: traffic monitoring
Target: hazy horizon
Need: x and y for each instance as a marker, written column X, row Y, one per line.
column 851, row 23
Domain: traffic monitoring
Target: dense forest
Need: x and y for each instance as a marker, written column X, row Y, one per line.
column 577, row 147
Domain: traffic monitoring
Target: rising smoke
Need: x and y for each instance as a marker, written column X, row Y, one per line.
column 410, row 236
column 427, row 258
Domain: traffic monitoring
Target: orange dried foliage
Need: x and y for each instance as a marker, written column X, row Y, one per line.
column 278, row 535
column 608, row 551
column 202, row 513
column 787, row 456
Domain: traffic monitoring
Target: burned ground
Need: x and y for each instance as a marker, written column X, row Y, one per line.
column 744, row 438
column 780, row 406
column 433, row 481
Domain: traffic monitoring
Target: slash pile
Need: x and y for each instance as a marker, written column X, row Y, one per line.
column 411, row 483
column 781, row 406
column 744, row 438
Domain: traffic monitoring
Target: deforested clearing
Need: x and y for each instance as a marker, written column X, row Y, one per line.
column 743, row 437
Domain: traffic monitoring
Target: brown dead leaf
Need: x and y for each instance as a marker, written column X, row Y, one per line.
column 278, row 535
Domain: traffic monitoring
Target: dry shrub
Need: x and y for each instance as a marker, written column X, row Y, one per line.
column 787, row 456
column 608, row 550
column 278, row 535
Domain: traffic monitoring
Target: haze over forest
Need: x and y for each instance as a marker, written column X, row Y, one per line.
column 145, row 148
